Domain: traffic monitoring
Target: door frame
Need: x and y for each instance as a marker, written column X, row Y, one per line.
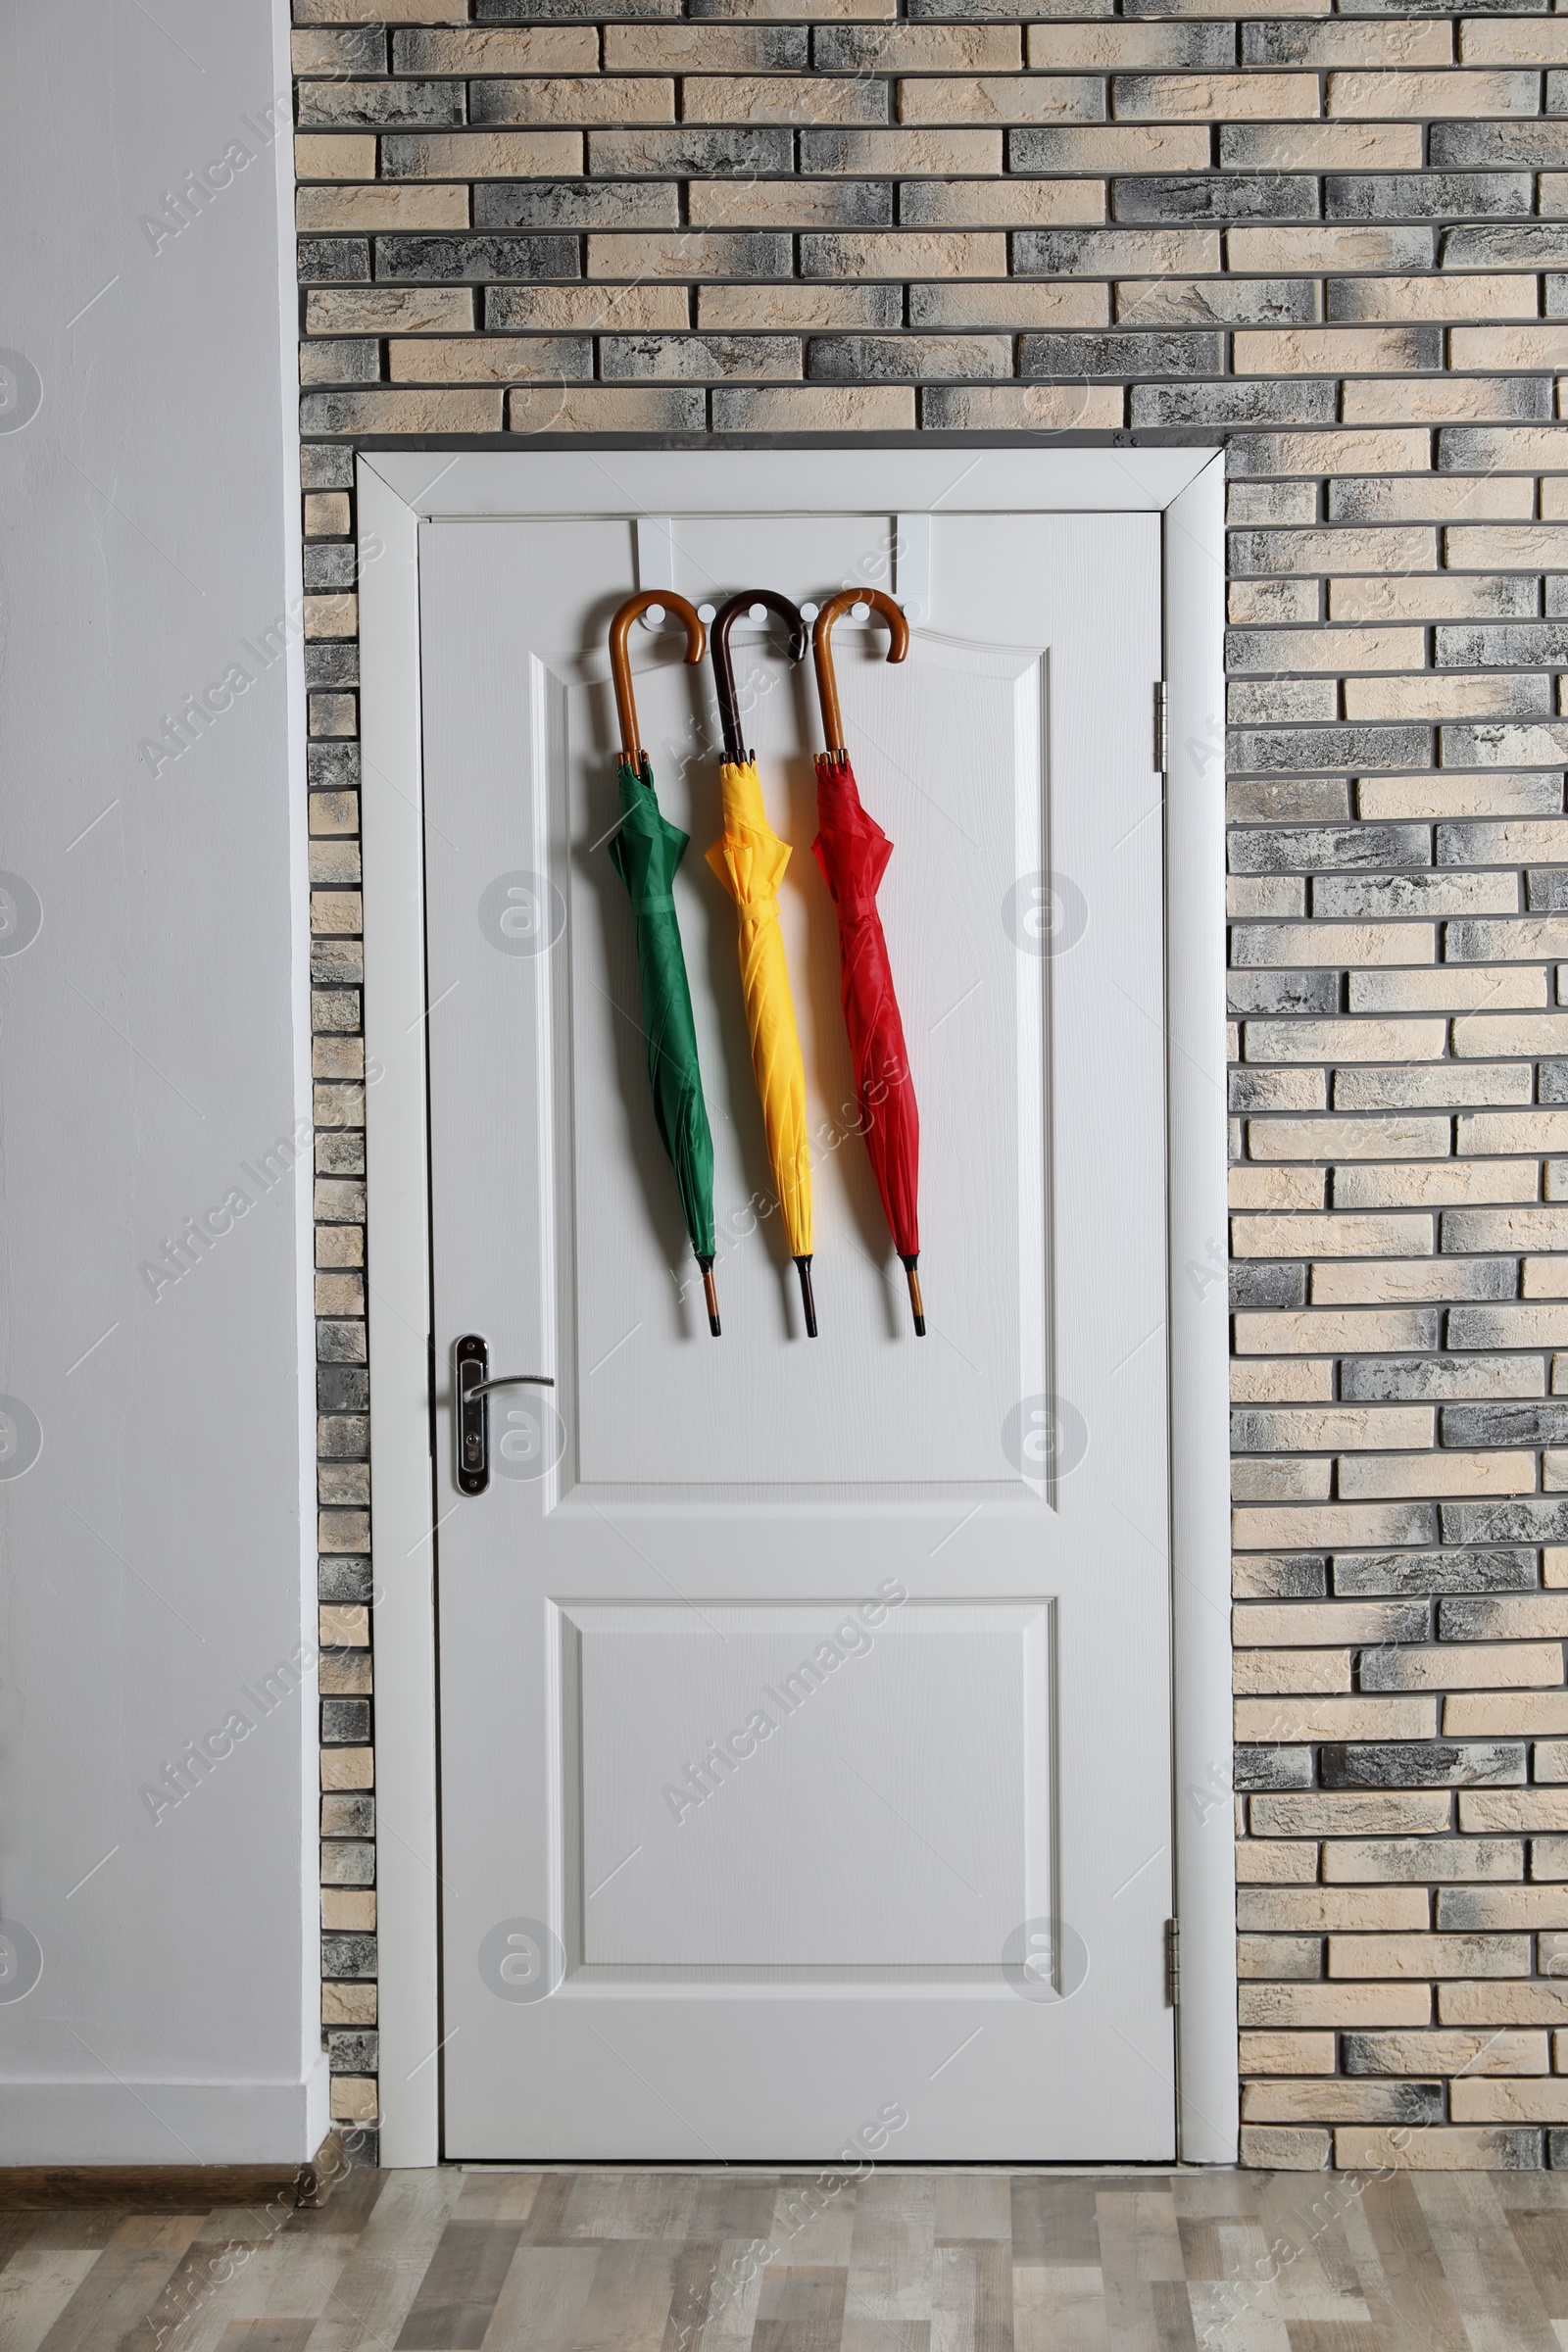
column 398, row 490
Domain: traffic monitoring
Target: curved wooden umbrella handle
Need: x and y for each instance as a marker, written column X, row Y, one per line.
column 822, row 650
column 723, row 673
column 620, row 660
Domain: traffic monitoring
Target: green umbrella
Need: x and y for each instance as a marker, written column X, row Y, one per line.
column 646, row 850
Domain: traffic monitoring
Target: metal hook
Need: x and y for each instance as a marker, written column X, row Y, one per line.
column 822, row 651
column 723, row 673
column 620, row 660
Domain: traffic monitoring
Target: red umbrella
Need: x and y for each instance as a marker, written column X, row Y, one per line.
column 853, row 851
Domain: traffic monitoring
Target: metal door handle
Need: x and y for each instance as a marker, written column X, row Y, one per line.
column 471, row 1421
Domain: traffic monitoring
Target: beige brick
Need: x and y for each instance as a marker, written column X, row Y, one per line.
column 1502, row 2005
column 1323, row 942
column 770, row 203
column 1453, row 2053
column 812, row 409
column 673, row 253
column 388, row 309
column 1521, row 1809
column 779, row 98
column 608, row 409
column 1515, row 1714
column 1324, row 146
column 1383, row 1477
column 1299, row 1236
column 344, row 1673
column 1012, row 203
column 1457, row 295
column 1104, row 48
column 1397, row 1282
column 1386, row 97
column 486, row 360
column 691, row 48
column 1276, row 1188
column 1419, row 1813
column 1467, row 1666
column 1512, row 347
column 335, row 913
column 1276, row 1862
column 1411, row 599
column 418, row 205
column 1306, row 1910
column 1428, row 400
column 1340, row 651
column 1445, row 1185
column 1283, row 2147
column 1514, row 1131
column 482, row 155
column 1341, row 2100
column 1344, row 2005
column 351, row 1908
column 1302, row 1331
column 381, row 12
column 1066, row 408
column 608, row 310
column 341, row 1294
column 541, row 49
column 347, row 2004
column 1346, row 1139
column 1345, row 1427
column 1393, row 1956
column 922, row 153
column 789, row 307
column 1279, row 1623
column 330, row 616
column 343, row 1626
column 1295, row 1478
column 1006, row 98
column 1269, row 252
column 1550, row 1761
column 584, row 99
column 1513, row 41
column 1503, row 1907
column 1475, row 2101
column 1291, row 1670
column 1344, row 1041
column 1548, row 1859
column 1506, row 547
column 348, row 1768
column 1507, row 1229
column 1297, row 1719
column 326, row 517
column 328, row 157
column 354, row 2099
column 1373, row 1860
column 1369, row 551
column 1457, row 795
column 1448, row 989
column 1216, row 97
column 1287, row 2053
column 1429, row 2148
column 1446, row 696
column 874, row 254
column 1323, row 350
column 1268, row 893
column 1293, row 1380
column 389, row 411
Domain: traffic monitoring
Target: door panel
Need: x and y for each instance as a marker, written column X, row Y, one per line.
column 804, row 1722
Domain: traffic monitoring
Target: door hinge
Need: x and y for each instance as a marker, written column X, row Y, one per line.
column 1173, row 1963
column 429, row 1388
column 1161, row 728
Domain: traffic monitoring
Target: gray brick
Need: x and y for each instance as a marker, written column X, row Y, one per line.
column 1526, row 1519
column 351, row 1956
column 337, row 962
column 342, row 1389
column 1263, row 750
column 1468, row 647
column 1267, row 400
column 348, row 1862
column 1557, row 297
column 326, row 468
column 1216, row 302
column 1547, row 890
column 1426, row 195
column 677, row 359
column 1467, row 1618
column 572, row 12
column 345, row 1722
column 1275, row 991
column 354, row 2052
column 347, row 1813
column 333, row 766
column 1263, row 1285
column 1441, row 8
column 343, row 1438
column 1370, row 1575
column 1538, row 146
column 458, row 260
column 1477, row 745
column 1286, row 850
column 1522, row 245
column 1420, row 1764
column 334, row 260
column 1283, row 1576
column 1556, row 582
column 340, row 1155
column 902, row 358
column 1551, row 1082
column 1388, row 896
column 850, row 49
column 1287, row 801
column 691, row 152
column 380, row 105
column 1265, row 1769
column 329, row 661
column 1216, row 196
column 1056, row 356
column 344, row 1578
column 1526, row 1424
column 575, row 204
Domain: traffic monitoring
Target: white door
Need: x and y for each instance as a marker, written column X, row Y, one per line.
column 805, row 1704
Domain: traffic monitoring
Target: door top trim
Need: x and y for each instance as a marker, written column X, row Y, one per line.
column 484, row 484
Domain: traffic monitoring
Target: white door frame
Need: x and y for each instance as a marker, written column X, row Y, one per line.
column 397, row 491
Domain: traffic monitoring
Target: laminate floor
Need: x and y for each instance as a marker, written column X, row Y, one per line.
column 624, row 2261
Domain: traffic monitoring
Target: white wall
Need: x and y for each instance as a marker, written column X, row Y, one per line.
column 157, row 1556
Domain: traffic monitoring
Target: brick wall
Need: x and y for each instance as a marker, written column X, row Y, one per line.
column 1339, row 241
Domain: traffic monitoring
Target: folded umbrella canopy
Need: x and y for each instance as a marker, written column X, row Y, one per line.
column 853, row 851
column 646, row 850
column 750, row 860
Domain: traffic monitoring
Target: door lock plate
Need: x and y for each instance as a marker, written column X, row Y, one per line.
column 470, row 1418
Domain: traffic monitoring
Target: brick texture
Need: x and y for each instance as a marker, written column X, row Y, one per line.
column 1331, row 235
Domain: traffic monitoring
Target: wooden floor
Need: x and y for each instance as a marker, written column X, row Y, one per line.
column 750, row 2262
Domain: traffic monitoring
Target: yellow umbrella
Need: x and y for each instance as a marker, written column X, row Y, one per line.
column 750, row 860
